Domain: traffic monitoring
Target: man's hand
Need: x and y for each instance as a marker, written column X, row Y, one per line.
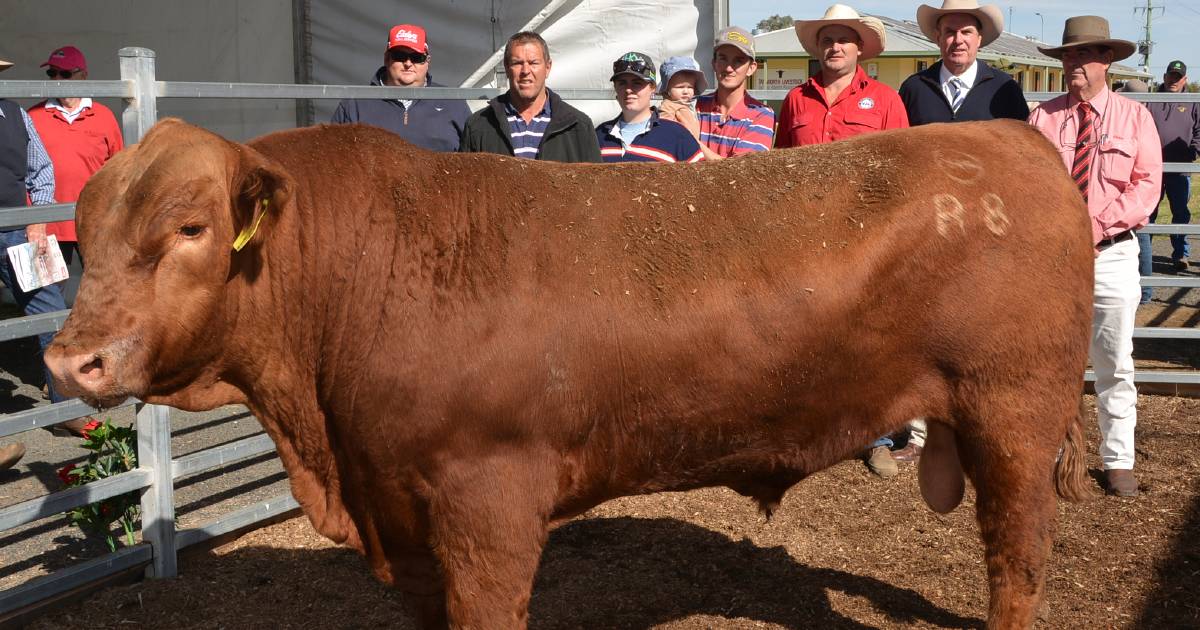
column 682, row 114
column 36, row 233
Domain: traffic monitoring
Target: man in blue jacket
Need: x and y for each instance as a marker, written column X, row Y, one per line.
column 435, row 124
column 1179, row 130
column 960, row 87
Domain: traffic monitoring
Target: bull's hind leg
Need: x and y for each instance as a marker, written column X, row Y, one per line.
column 489, row 522
column 1008, row 451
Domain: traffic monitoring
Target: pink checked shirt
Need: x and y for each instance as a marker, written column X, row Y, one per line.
column 1126, row 175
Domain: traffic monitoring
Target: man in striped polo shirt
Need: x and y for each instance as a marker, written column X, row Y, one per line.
column 731, row 121
column 530, row 121
column 638, row 135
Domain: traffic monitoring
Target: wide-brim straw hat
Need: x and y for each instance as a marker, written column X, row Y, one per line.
column 5, row 65
column 869, row 29
column 1089, row 30
column 991, row 19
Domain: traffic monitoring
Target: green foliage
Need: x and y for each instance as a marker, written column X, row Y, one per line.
column 774, row 23
column 113, row 451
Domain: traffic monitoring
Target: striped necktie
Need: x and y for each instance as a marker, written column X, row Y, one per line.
column 1085, row 149
column 957, row 93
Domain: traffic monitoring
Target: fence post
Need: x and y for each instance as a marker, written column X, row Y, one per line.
column 158, row 500
column 141, row 111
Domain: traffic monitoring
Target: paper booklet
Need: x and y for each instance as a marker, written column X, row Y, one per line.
column 35, row 272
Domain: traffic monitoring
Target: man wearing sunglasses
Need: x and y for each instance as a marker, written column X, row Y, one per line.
column 435, row 124
column 79, row 134
column 638, row 135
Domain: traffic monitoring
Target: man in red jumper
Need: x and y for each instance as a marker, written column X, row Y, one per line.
column 80, row 135
column 840, row 101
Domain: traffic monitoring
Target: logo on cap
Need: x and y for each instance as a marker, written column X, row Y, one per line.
column 737, row 37
column 406, row 36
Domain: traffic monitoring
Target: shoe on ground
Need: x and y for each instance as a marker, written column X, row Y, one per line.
column 11, row 454
column 880, row 462
column 70, row 428
column 1120, row 482
column 910, row 453
column 1180, row 265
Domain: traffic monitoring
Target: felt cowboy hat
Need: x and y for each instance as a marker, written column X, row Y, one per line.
column 869, row 29
column 1089, row 30
column 5, row 65
column 991, row 20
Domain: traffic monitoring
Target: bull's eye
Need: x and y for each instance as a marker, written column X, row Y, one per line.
column 191, row 231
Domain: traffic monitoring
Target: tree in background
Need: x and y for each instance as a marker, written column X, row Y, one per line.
column 774, row 23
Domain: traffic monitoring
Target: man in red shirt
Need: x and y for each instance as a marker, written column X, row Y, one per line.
column 841, row 101
column 80, row 136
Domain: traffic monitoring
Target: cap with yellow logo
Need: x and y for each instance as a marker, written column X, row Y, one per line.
column 735, row 36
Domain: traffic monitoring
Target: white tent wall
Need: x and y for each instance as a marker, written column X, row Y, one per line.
column 341, row 42
column 585, row 36
column 245, row 41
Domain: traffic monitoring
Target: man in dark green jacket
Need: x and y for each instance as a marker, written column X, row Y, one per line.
column 530, row 121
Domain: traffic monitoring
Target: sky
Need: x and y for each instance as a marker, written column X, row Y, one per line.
column 1174, row 29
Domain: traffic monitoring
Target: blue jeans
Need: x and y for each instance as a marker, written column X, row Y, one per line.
column 44, row 300
column 1176, row 188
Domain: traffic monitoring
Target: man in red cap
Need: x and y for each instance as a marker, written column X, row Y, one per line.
column 80, row 135
column 435, row 124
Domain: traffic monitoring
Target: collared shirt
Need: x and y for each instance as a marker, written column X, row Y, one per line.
column 749, row 127
column 68, row 115
column 967, row 78
column 39, row 172
column 527, row 136
column 662, row 141
column 1126, row 174
column 864, row 105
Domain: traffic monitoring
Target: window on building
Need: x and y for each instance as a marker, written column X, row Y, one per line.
column 922, row 65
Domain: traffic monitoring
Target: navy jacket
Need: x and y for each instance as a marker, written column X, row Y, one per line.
column 1178, row 128
column 570, row 137
column 663, row 141
column 994, row 95
column 435, row 124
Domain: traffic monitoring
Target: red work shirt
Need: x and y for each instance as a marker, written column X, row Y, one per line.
column 77, row 149
column 865, row 105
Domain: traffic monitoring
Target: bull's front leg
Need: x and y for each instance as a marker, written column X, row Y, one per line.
column 489, row 522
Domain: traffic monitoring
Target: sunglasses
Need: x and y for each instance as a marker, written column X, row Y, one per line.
column 413, row 57
column 56, row 73
column 637, row 67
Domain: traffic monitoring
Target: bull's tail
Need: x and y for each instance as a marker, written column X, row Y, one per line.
column 1070, row 472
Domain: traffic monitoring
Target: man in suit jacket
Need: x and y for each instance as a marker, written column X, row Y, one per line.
column 960, row 87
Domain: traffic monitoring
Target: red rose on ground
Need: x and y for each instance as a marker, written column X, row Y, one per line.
column 64, row 473
column 92, row 425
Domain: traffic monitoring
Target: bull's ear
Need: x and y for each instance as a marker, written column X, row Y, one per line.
column 261, row 189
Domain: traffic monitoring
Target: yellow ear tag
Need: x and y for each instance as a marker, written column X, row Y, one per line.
column 248, row 231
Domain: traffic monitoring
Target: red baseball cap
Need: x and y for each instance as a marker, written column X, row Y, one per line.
column 408, row 36
column 66, row 58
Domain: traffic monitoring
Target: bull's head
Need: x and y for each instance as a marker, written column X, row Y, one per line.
column 156, row 227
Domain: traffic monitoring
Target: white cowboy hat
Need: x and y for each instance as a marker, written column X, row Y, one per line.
column 5, row 65
column 991, row 19
column 869, row 29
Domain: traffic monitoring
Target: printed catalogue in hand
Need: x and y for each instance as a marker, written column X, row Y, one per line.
column 34, row 272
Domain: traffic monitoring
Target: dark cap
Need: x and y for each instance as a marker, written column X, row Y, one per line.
column 1177, row 66
column 637, row 64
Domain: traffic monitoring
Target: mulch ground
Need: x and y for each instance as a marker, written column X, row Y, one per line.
column 846, row 550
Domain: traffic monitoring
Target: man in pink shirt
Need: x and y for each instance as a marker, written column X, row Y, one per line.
column 1110, row 146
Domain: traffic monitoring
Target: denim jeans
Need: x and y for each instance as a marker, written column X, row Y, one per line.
column 1176, row 188
column 44, row 300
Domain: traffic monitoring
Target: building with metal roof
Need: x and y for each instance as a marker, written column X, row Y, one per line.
column 783, row 63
